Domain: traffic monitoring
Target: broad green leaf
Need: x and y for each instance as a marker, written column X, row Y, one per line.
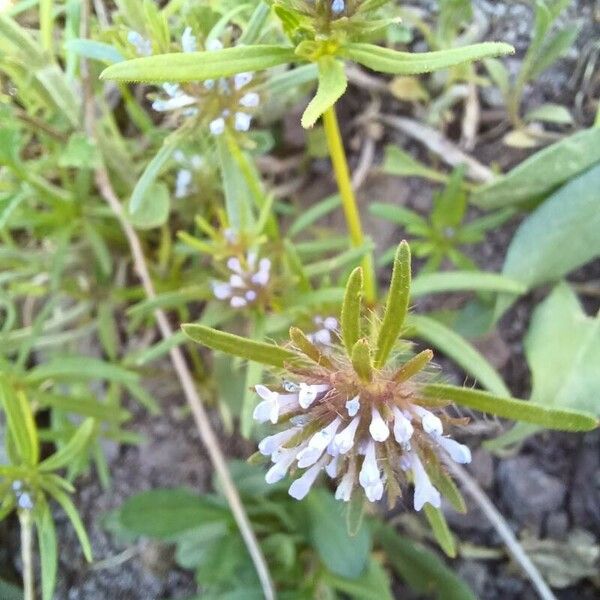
column 563, row 352
column 235, row 345
column 385, row 60
column 559, row 236
column 543, row 172
column 396, row 306
column 350, row 315
column 550, row 113
column 456, row 281
column 509, row 408
column 153, row 209
column 422, row 570
column 343, row 554
column 199, row 66
column 166, row 513
column 440, row 529
column 460, row 351
column 374, row 584
column 21, row 425
column 46, row 535
column 71, row 449
column 332, row 85
column 361, row 360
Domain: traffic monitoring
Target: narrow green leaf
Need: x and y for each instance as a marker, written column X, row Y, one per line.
column 235, row 345
column 361, row 360
column 46, row 535
column 332, row 85
column 309, row 349
column 21, row 424
column 399, row 162
column 385, row 60
column 80, row 368
column 396, row 307
column 413, row 366
column 517, row 410
column 314, row 213
column 440, row 529
column 94, row 50
column 460, row 351
column 350, row 315
column 71, row 449
column 455, row 281
column 199, row 66
column 445, row 484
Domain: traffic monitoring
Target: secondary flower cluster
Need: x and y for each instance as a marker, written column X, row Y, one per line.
column 226, row 102
column 369, row 435
column 247, row 283
column 23, row 497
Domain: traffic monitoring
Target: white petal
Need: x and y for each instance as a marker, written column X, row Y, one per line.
column 431, row 423
column 264, row 392
column 425, row 492
column 241, row 80
column 369, row 472
column 353, row 406
column 24, row 501
column 403, row 428
column 344, row 489
column 236, row 281
column 279, row 470
column 174, row 103
column 458, row 452
column 309, row 456
column 234, row 264
column 323, row 337
column 321, row 439
column 238, row 302
column 331, row 323
column 182, row 183
column 250, row 100
column 262, row 411
column 188, row 41
column 217, row 127
column 344, row 440
column 214, row 45
column 242, row 121
column 221, row 290
column 332, row 467
column 300, row 488
column 308, row 393
column 270, row 444
column 378, row 429
column 337, row 6
column 374, row 492
column 251, row 295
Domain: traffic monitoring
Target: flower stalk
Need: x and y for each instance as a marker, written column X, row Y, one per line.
column 26, row 522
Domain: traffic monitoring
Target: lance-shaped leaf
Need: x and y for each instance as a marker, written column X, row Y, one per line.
column 308, row 348
column 332, row 85
column 517, row 410
column 440, row 529
column 350, row 315
column 267, row 354
column 413, row 366
column 390, row 61
column 71, row 449
column 46, row 535
column 396, row 306
column 199, row 66
column 361, row 360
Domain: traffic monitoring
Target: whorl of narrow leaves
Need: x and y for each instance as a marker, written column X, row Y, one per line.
column 517, row 410
column 350, row 316
column 199, row 66
column 261, row 352
column 396, row 306
column 361, row 360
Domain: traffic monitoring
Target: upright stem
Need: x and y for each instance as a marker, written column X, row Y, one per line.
column 27, row 554
column 344, row 183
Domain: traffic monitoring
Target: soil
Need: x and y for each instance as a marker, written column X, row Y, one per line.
column 548, row 489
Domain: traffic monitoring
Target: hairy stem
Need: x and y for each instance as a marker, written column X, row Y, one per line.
column 344, row 183
column 27, row 554
column 184, row 374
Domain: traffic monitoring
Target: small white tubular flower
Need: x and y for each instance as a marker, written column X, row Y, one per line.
column 431, row 423
column 353, row 406
column 344, row 440
column 374, row 492
column 188, row 41
column 338, row 6
column 175, row 102
column 425, row 492
column 250, row 295
column 214, row 45
column 242, row 80
column 332, row 467
column 182, row 183
column 268, row 409
column 403, row 428
column 308, row 393
column 238, row 302
column 284, row 461
column 142, row 46
column 344, row 489
column 300, row 487
column 369, row 473
column 250, row 100
column 331, row 323
column 236, row 281
column 274, row 442
column 217, row 126
column 322, row 336
column 221, row 290
column 17, row 485
column 24, row 501
column 378, row 429
column 459, row 453
column 242, row 121
column 234, row 264
column 317, row 444
column 261, row 277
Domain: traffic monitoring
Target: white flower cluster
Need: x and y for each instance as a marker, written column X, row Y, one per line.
column 328, row 327
column 185, row 175
column 143, row 46
column 246, row 281
column 350, row 446
column 24, row 500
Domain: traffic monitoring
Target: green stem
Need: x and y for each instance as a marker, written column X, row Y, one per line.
column 344, row 183
column 27, row 554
